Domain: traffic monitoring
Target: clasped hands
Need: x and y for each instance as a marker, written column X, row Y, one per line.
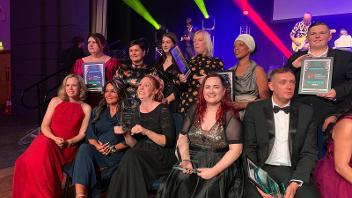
column 61, row 142
column 205, row 173
column 137, row 129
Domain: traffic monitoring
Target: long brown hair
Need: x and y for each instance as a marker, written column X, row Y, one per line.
column 225, row 102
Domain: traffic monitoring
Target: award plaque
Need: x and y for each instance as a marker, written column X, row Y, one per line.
column 129, row 114
column 180, row 61
column 229, row 77
column 263, row 181
column 94, row 76
column 316, row 75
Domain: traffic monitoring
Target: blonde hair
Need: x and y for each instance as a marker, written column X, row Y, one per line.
column 208, row 42
column 61, row 93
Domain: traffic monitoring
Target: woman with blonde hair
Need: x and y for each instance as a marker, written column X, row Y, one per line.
column 201, row 65
column 38, row 171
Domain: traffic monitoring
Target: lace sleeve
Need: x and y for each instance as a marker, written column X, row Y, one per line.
column 188, row 120
column 168, row 126
column 233, row 129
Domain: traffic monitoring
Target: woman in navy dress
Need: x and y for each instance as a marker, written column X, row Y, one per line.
column 104, row 148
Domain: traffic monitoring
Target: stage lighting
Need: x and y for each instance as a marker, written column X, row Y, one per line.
column 138, row 7
column 203, row 9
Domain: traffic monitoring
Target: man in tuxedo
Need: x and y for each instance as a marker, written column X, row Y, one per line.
column 323, row 104
column 280, row 137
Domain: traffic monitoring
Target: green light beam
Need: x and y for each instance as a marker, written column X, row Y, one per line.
column 203, row 9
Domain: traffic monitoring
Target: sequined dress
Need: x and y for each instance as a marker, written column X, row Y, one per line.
column 206, row 149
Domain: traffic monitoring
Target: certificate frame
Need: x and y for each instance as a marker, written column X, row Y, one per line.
column 180, row 60
column 316, row 75
column 94, row 76
column 229, row 77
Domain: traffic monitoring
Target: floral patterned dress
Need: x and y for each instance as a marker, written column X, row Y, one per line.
column 199, row 65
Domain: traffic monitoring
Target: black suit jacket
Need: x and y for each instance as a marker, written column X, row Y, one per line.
column 341, row 82
column 259, row 136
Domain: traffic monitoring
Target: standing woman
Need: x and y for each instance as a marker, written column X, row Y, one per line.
column 168, row 71
column 96, row 47
column 132, row 74
column 152, row 143
column 38, row 171
column 104, row 148
column 210, row 146
column 201, row 65
column 251, row 81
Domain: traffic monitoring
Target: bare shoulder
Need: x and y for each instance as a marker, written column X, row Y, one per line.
column 343, row 129
column 55, row 101
column 86, row 108
column 259, row 69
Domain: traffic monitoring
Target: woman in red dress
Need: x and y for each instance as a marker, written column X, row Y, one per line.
column 333, row 173
column 96, row 47
column 38, row 171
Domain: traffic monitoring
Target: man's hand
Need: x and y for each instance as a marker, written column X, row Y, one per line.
column 264, row 195
column 331, row 95
column 298, row 62
column 329, row 120
column 291, row 190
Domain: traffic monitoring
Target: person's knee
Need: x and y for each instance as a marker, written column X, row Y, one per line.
column 85, row 151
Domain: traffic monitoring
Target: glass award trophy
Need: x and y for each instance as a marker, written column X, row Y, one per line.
column 263, row 181
column 129, row 114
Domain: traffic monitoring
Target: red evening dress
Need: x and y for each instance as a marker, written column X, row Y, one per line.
column 328, row 181
column 110, row 69
column 38, row 171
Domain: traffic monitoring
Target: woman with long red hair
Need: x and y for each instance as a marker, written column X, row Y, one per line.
column 210, row 146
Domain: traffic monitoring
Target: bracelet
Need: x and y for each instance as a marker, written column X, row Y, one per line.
column 186, row 160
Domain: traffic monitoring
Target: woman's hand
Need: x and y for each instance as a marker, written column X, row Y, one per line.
column 182, row 78
column 103, row 148
column 138, row 129
column 60, row 142
column 206, row 173
column 199, row 78
column 187, row 166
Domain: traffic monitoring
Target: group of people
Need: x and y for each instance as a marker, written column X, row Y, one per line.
column 267, row 122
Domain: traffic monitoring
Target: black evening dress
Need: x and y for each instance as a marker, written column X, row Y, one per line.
column 171, row 81
column 146, row 161
column 206, row 149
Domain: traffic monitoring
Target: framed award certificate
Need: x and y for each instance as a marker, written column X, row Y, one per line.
column 180, row 61
column 229, row 77
column 94, row 76
column 316, row 75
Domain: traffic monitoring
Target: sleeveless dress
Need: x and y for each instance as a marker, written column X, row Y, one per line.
column 38, row 171
column 328, row 181
column 206, row 149
column 245, row 86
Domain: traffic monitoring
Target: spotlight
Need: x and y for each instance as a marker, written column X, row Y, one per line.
column 138, row 7
column 245, row 12
column 202, row 8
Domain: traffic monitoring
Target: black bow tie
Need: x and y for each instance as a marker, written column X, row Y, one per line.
column 276, row 109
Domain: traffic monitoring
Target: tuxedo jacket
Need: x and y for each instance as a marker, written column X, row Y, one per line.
column 259, row 136
column 341, row 82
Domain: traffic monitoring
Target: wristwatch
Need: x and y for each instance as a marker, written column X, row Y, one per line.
column 113, row 149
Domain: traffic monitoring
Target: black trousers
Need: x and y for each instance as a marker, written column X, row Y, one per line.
column 282, row 174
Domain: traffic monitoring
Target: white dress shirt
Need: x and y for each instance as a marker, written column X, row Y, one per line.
column 280, row 153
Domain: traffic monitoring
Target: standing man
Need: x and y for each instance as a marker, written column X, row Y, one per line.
column 280, row 137
column 299, row 33
column 187, row 38
column 324, row 104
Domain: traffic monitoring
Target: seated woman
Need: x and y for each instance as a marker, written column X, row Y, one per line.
column 96, row 48
column 250, row 82
column 38, row 171
column 152, row 143
column 210, row 147
column 104, row 147
column 333, row 173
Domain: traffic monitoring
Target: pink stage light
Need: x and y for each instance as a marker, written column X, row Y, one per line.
column 258, row 21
